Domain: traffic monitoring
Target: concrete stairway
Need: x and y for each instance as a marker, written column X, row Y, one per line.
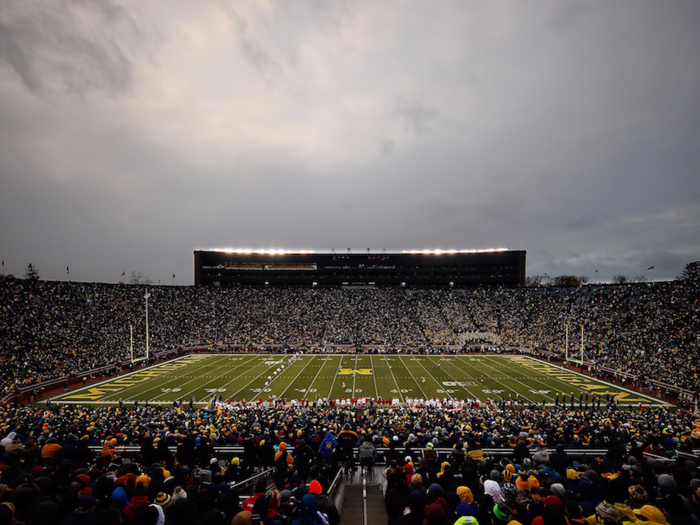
column 353, row 510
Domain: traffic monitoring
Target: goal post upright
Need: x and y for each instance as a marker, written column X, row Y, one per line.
column 146, row 297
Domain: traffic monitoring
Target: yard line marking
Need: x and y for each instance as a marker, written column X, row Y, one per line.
column 402, row 359
column 595, row 380
column 110, row 383
column 547, row 385
column 449, row 375
column 503, row 384
column 197, row 377
column 255, row 379
column 420, row 362
column 193, row 378
column 340, row 364
column 354, row 377
column 398, row 388
column 374, row 377
column 303, row 368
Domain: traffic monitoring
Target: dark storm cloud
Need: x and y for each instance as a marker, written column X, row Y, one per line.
column 63, row 46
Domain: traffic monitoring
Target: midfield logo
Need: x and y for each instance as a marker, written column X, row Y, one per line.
column 350, row 371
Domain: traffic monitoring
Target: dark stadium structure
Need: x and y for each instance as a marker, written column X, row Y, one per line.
column 416, row 269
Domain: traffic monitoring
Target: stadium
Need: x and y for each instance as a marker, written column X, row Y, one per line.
column 418, row 376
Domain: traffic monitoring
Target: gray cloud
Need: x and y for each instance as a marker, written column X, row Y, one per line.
column 253, row 51
column 386, row 146
column 569, row 130
column 565, row 16
column 71, row 47
column 416, row 116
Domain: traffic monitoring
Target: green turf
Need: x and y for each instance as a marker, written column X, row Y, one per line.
column 344, row 376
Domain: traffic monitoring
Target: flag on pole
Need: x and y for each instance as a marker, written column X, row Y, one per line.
column 650, row 268
column 173, row 276
column 67, row 269
column 147, row 296
column 123, row 273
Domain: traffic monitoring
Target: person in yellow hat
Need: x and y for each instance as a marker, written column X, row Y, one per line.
column 648, row 515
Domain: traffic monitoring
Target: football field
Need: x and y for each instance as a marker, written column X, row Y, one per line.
column 333, row 376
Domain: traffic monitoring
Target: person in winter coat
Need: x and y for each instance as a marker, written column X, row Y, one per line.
column 328, row 446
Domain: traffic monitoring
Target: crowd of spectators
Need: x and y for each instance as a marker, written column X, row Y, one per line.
column 54, row 471
column 51, row 329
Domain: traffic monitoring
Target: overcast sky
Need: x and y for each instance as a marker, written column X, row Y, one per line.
column 133, row 133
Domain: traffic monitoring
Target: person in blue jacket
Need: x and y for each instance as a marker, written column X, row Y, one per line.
column 328, row 445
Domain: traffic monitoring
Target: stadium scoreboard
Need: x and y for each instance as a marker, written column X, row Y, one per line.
column 415, row 269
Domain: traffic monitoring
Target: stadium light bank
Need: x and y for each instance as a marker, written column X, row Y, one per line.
column 281, row 251
column 272, row 251
column 442, row 252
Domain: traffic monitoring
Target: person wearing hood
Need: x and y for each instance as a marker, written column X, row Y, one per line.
column 415, row 512
column 303, row 459
column 140, row 498
column 308, row 513
column 8, row 439
column 259, row 492
column 367, row 451
column 51, row 449
column 120, row 498
column 15, row 448
column 494, row 490
column 398, row 499
column 109, row 450
column 437, row 513
column 283, row 465
column 327, row 446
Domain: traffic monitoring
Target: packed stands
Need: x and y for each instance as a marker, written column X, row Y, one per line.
column 501, row 465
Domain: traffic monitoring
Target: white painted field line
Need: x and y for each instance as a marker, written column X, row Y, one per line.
column 109, row 380
column 340, row 363
column 136, row 387
column 253, row 380
column 325, row 362
column 591, row 378
column 462, row 358
column 207, row 363
column 546, row 385
column 412, row 376
column 433, row 377
column 236, row 378
column 198, row 377
column 450, row 376
column 507, row 389
column 374, row 377
column 398, row 388
column 294, row 380
column 354, row 377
